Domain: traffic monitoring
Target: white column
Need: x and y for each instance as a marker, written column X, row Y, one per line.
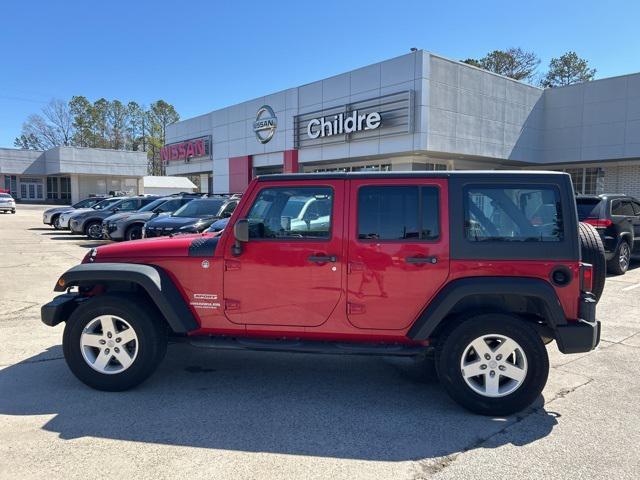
column 75, row 189
column 204, row 183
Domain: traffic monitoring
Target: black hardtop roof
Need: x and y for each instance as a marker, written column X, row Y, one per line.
column 412, row 174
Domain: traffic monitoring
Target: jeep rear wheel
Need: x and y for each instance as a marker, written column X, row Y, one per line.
column 493, row 364
column 113, row 343
column 592, row 251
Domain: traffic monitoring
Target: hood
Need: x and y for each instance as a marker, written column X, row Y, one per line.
column 75, row 212
column 168, row 221
column 59, row 210
column 196, row 245
column 118, row 216
column 143, row 216
column 93, row 213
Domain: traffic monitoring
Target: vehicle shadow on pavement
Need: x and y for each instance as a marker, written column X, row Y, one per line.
column 345, row 407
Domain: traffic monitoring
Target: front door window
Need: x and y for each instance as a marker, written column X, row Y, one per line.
column 289, row 272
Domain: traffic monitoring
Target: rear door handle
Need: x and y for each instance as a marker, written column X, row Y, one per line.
column 420, row 260
column 323, row 258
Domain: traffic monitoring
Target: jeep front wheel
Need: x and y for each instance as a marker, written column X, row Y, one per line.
column 112, row 343
column 493, row 364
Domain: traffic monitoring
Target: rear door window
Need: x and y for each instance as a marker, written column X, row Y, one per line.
column 398, row 213
column 512, row 214
column 622, row 207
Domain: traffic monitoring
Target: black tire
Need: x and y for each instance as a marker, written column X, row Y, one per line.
column 55, row 222
column 453, row 344
column 134, row 232
column 616, row 265
column 151, row 332
column 13, row 212
column 92, row 228
column 592, row 251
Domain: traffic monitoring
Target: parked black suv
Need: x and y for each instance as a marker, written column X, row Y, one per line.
column 129, row 225
column 617, row 219
column 194, row 217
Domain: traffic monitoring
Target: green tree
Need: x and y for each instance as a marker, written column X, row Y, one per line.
column 567, row 70
column 513, row 63
column 81, row 110
column 160, row 115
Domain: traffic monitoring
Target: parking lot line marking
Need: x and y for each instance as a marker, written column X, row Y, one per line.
column 631, row 287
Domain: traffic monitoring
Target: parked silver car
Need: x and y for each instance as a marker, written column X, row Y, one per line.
column 52, row 215
column 7, row 203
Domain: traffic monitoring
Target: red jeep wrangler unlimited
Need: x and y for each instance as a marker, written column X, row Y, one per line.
column 479, row 268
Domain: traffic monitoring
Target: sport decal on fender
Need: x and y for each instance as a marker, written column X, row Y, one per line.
column 204, row 301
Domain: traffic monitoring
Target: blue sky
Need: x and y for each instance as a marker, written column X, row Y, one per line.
column 204, row 55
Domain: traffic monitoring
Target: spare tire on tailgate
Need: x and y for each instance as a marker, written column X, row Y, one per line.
column 593, row 253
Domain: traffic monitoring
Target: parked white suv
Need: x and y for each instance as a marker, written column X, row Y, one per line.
column 7, row 203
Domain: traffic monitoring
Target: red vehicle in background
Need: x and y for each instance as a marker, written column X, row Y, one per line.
column 476, row 270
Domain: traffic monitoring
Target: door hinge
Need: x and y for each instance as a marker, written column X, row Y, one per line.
column 231, row 265
column 355, row 308
column 231, row 305
column 355, row 267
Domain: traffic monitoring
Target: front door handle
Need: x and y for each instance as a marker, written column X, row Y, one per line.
column 323, row 258
column 420, row 260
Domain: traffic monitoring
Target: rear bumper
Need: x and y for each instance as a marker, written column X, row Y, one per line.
column 583, row 335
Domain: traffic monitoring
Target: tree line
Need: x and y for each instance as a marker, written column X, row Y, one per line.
column 104, row 123
column 522, row 65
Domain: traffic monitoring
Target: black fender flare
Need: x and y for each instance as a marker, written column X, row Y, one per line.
column 457, row 290
column 155, row 281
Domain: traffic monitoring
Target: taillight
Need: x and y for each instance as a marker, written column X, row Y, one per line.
column 586, row 277
column 598, row 222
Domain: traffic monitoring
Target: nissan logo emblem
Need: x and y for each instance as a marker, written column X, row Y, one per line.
column 265, row 124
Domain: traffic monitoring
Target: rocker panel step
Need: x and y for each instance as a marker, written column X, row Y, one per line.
column 304, row 346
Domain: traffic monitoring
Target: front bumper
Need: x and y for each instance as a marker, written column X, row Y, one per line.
column 157, row 232
column 60, row 309
column 75, row 226
column 583, row 335
column 112, row 231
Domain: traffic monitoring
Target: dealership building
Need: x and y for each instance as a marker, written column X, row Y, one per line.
column 419, row 111
column 69, row 174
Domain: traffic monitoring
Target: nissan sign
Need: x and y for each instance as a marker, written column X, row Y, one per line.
column 265, row 125
column 341, row 124
column 193, row 148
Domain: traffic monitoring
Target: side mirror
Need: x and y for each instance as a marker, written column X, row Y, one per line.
column 241, row 234
column 115, row 210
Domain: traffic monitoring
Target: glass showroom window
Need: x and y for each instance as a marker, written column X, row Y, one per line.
column 52, row 188
column 587, row 181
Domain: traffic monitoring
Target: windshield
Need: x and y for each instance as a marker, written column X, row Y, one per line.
column 86, row 203
column 588, row 208
column 106, row 203
column 5, row 195
column 156, row 203
column 199, row 208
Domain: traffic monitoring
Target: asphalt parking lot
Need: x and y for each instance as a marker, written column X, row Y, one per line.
column 256, row 415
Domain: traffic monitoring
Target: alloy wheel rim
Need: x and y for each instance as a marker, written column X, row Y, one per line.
column 109, row 344
column 494, row 365
column 95, row 232
column 625, row 254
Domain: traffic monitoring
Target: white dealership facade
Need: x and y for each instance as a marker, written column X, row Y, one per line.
column 414, row 112
column 68, row 174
